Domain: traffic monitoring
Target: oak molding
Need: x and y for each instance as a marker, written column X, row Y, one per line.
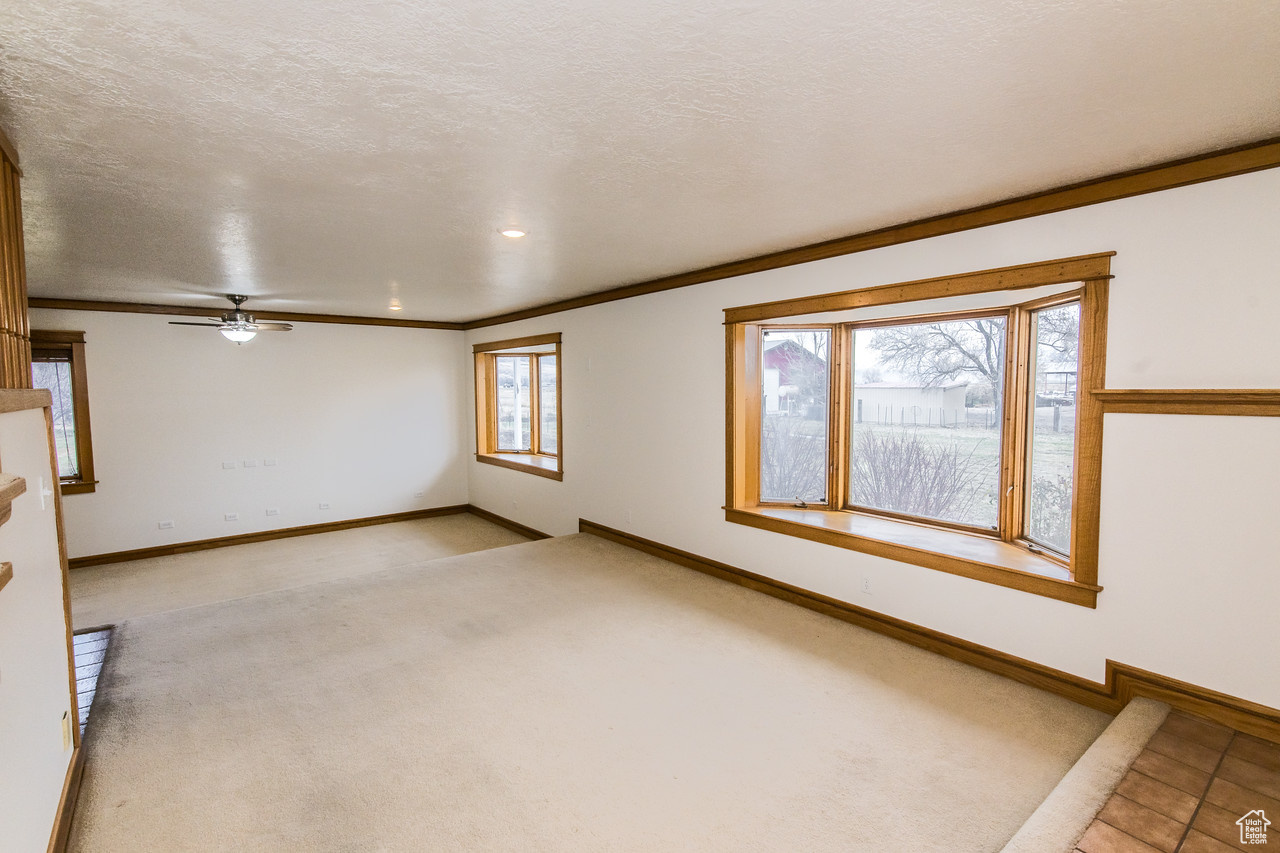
column 507, row 523
column 55, row 304
column 502, row 461
column 6, row 574
column 61, row 833
column 1072, row 592
column 303, row 530
column 1260, row 402
column 1224, row 163
column 263, row 536
column 21, row 399
column 9, row 151
column 1081, row 268
column 1123, row 682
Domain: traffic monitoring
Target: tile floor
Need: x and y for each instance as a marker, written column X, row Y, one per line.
column 90, row 649
column 1187, row 790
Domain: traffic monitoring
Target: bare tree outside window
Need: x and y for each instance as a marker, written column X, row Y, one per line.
column 1051, row 445
column 55, row 375
column 926, row 417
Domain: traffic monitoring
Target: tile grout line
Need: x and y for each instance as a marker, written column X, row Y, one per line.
column 1205, row 793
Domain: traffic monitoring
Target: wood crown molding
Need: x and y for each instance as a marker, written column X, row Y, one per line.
column 1259, row 402
column 1226, row 163
column 1122, row 683
column 186, row 311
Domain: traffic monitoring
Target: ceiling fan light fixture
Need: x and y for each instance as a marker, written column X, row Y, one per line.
column 238, row 334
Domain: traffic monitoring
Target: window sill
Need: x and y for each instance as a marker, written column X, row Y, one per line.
column 543, row 466
column 951, row 551
column 78, row 488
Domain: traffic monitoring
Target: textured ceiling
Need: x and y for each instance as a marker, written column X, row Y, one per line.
column 324, row 156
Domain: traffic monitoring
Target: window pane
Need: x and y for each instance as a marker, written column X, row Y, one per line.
column 925, row 417
column 512, row 376
column 547, row 404
column 1052, row 443
column 793, row 419
column 56, row 377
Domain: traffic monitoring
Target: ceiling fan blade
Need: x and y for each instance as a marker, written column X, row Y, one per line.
column 207, row 325
column 273, row 327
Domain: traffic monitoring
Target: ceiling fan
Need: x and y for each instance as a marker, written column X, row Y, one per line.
column 236, row 325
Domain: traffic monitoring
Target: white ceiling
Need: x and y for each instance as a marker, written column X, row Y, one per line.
column 319, row 154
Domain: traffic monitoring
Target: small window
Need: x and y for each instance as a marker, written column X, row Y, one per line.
column 58, row 365
column 947, row 423
column 518, row 404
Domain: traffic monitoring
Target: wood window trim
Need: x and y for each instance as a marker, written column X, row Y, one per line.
column 981, row 557
column 546, row 465
column 71, row 344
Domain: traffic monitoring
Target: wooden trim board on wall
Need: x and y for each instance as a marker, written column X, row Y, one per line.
column 67, row 803
column 1238, row 160
column 263, row 536
column 1176, row 173
column 1258, row 402
column 507, row 523
column 303, row 530
column 1122, row 683
column 189, row 311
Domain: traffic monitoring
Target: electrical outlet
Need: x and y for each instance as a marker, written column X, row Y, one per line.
column 324, row 506
column 228, row 465
column 251, row 463
column 231, row 516
column 66, row 730
column 866, row 585
column 273, row 511
column 165, row 525
column 419, row 494
column 269, row 462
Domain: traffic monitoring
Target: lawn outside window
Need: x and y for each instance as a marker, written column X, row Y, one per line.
column 58, row 365
column 947, row 423
column 518, row 404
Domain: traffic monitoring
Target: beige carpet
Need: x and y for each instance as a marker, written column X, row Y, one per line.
column 103, row 595
column 568, row 694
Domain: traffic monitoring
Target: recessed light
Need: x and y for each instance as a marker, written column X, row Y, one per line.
column 395, row 304
column 513, row 233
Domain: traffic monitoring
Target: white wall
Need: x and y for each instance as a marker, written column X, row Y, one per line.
column 1188, row 552
column 360, row 417
column 34, row 687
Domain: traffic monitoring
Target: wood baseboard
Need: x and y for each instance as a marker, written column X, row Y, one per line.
column 507, row 523
column 67, row 804
column 1123, row 682
column 264, row 536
